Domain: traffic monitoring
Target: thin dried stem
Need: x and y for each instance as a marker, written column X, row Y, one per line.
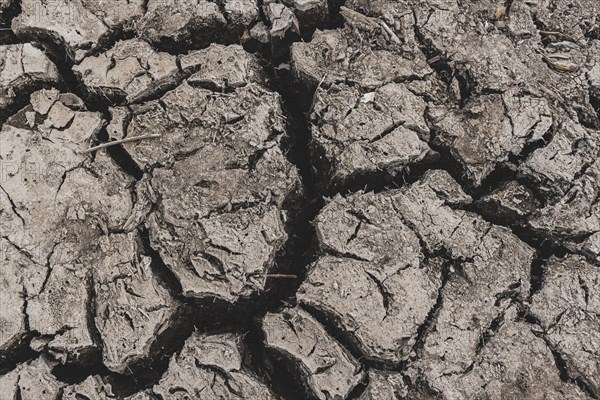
column 280, row 276
column 121, row 141
column 555, row 33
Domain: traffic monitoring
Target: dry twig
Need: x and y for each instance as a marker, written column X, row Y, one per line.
column 121, row 141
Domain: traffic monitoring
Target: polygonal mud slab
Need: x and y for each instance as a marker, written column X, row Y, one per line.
column 384, row 385
column 31, row 381
column 34, row 381
column 128, row 72
column 45, row 195
column 93, row 388
column 241, row 15
column 286, row 21
column 491, row 266
column 48, row 181
column 374, row 283
column 283, row 22
column 204, row 69
column 209, row 367
column 356, row 56
column 78, row 28
column 325, row 368
column 373, row 279
column 393, row 386
column 308, row 14
column 512, row 363
column 483, row 47
column 464, row 34
column 119, row 297
column 133, row 71
column 194, row 120
column 490, row 129
column 19, row 277
column 358, row 133
column 568, row 309
column 222, row 68
column 220, row 183
column 574, row 218
column 23, row 69
column 59, row 313
column 572, row 150
column 132, row 306
column 59, row 205
column 228, row 256
column 183, row 23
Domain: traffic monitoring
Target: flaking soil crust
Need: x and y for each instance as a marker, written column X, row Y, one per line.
column 286, row 199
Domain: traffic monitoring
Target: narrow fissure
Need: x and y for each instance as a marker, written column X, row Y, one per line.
column 17, row 354
column 431, row 318
column 347, row 340
column 559, row 360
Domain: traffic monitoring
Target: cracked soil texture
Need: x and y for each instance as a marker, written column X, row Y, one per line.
column 299, row 199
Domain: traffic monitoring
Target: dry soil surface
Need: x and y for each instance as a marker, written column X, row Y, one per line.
column 299, row 199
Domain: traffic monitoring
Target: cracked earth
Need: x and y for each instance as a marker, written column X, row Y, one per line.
column 299, row 199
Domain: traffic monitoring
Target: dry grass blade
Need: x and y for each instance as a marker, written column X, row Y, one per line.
column 121, row 141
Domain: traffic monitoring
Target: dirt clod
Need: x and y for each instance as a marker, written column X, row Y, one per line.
column 329, row 370
column 210, row 366
column 23, row 69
